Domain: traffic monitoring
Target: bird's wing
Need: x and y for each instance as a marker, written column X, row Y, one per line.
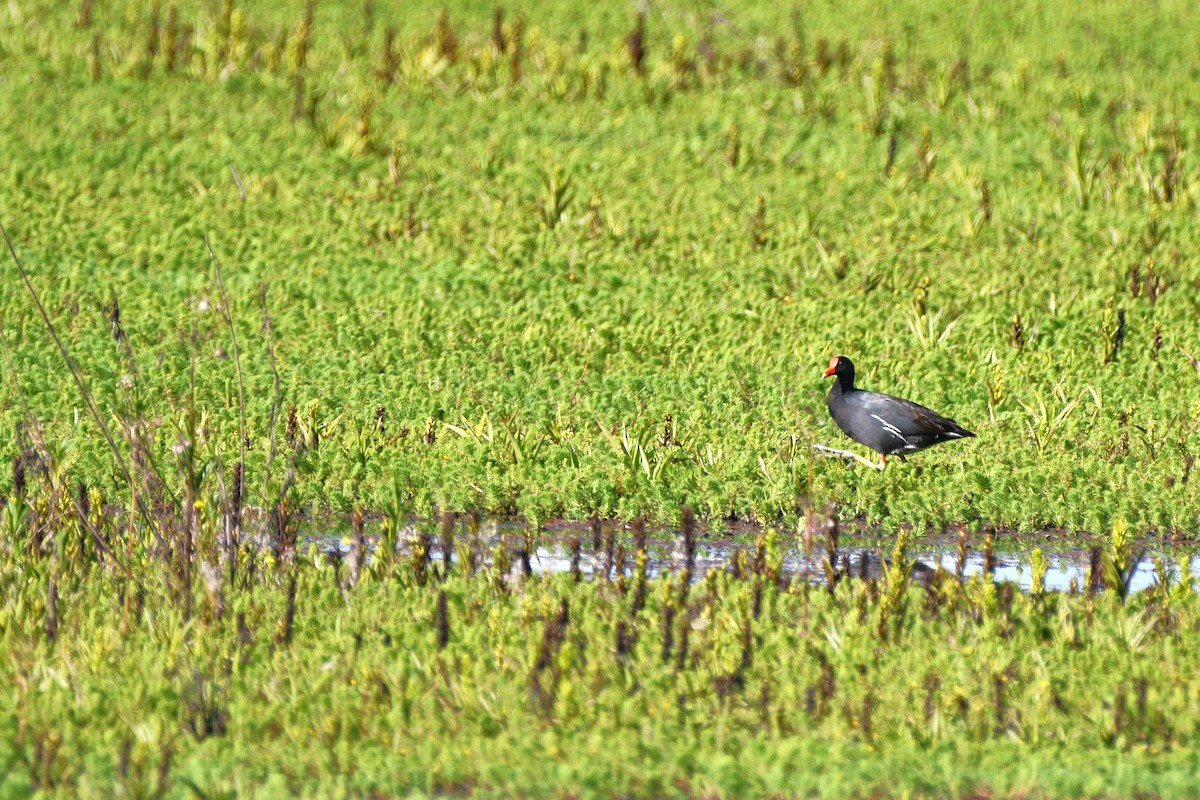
column 915, row 420
column 893, row 430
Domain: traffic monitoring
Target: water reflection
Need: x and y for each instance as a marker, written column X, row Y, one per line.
column 856, row 556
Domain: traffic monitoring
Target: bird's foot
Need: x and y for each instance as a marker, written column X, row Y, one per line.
column 833, row 452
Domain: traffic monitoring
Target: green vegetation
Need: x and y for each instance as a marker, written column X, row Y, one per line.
column 560, row 260
column 306, row 674
column 507, row 270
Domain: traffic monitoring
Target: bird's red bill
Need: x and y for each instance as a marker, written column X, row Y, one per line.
column 833, row 362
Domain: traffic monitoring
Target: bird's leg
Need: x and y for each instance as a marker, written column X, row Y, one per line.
column 835, row 453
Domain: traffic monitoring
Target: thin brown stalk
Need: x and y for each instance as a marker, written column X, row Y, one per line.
column 227, row 315
column 34, row 427
column 276, row 391
column 62, row 349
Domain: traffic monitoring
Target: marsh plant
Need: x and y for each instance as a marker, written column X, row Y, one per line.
column 586, row 261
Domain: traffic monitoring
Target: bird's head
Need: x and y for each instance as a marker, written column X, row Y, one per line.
column 840, row 366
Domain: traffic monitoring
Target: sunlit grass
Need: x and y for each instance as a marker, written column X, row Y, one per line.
column 578, row 249
column 305, row 672
column 564, row 261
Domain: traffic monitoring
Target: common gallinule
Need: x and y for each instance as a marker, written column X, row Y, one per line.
column 888, row 425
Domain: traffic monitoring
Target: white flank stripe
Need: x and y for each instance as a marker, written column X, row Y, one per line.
column 890, row 428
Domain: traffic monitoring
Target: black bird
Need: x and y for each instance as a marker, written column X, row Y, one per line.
column 888, row 425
